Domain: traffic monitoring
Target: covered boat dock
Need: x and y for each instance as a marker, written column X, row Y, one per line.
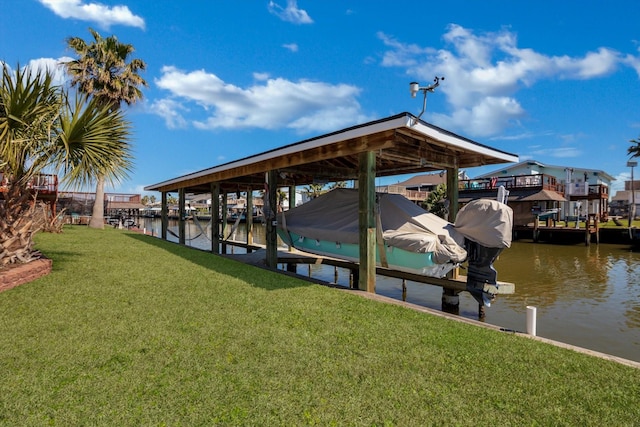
column 399, row 144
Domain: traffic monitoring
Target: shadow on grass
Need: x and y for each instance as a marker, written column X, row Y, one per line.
column 61, row 258
column 255, row 275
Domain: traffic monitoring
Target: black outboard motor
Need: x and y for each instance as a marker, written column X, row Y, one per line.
column 482, row 281
column 487, row 226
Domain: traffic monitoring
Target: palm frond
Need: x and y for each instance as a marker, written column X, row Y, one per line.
column 95, row 142
column 30, row 105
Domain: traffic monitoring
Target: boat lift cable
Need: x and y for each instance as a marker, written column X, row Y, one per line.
column 173, row 233
column 284, row 227
column 234, row 228
column 202, row 230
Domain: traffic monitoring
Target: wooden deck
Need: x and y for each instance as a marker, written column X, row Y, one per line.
column 566, row 232
column 43, row 187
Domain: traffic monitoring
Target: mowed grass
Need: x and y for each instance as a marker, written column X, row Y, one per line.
column 129, row 330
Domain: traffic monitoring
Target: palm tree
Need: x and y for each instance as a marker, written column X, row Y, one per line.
column 103, row 72
column 40, row 130
column 29, row 104
column 281, row 196
column 634, row 150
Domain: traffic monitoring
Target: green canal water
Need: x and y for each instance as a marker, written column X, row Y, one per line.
column 587, row 296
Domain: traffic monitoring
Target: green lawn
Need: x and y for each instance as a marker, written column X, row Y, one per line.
column 611, row 224
column 131, row 330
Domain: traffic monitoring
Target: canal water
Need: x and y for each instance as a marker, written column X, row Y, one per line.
column 587, row 296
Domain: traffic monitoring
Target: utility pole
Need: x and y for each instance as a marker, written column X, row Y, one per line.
column 632, row 208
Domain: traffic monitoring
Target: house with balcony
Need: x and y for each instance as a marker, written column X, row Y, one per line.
column 543, row 190
column 43, row 187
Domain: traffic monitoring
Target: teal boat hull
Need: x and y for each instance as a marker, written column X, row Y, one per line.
column 397, row 259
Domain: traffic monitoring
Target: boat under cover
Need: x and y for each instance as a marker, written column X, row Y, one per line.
column 415, row 240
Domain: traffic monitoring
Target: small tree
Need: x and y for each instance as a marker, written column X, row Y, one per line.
column 314, row 190
column 338, row 184
column 436, row 201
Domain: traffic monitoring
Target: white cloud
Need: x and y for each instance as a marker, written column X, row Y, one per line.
column 618, row 184
column 270, row 103
column 291, row 13
column 487, row 117
column 594, row 64
column 101, row 15
column 293, row 47
column 261, row 76
column 488, row 70
column 170, row 110
column 53, row 66
column 402, row 55
column 633, row 62
column 558, row 152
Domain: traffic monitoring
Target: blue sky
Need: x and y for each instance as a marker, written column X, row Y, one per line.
column 557, row 82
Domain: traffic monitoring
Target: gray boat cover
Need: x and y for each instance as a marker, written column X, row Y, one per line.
column 487, row 222
column 334, row 217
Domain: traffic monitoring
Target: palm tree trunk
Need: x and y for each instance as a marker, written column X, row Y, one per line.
column 17, row 227
column 97, row 215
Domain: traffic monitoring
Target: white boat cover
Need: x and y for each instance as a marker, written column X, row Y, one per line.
column 334, row 217
column 487, row 222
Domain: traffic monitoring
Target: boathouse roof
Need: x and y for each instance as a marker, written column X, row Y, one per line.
column 403, row 144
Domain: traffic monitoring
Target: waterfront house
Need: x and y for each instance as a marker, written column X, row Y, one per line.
column 623, row 199
column 417, row 188
column 564, row 192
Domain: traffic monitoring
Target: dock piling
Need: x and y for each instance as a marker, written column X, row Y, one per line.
column 531, row 320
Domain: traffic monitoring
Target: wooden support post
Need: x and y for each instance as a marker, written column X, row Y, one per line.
column 164, row 216
column 215, row 217
column 292, row 204
column 292, row 196
column 249, row 220
column 452, row 193
column 450, row 301
column 223, row 225
column 271, row 204
column 482, row 313
column 355, row 278
column 181, row 216
column 367, row 220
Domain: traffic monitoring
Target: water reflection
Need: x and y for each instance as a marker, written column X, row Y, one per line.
column 586, row 295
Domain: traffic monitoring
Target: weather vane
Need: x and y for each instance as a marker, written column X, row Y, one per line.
column 414, row 88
